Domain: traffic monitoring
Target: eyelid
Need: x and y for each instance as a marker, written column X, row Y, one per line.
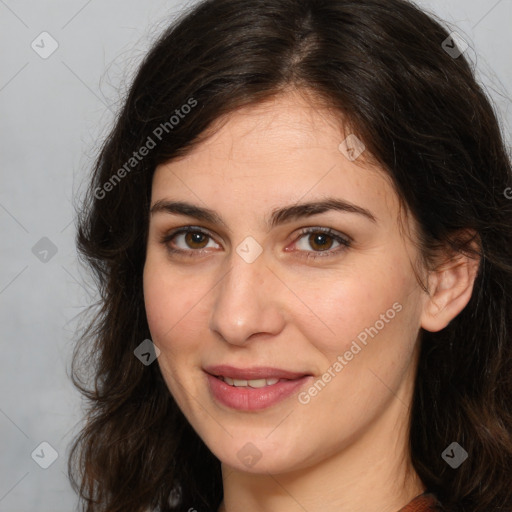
column 329, row 231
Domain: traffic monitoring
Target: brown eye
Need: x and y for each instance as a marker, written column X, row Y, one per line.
column 320, row 241
column 196, row 240
column 187, row 240
column 316, row 242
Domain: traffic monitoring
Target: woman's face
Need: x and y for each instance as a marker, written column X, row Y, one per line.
column 246, row 290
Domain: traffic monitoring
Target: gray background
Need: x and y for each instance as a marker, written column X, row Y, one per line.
column 53, row 112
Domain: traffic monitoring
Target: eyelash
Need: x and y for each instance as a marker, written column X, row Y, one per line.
column 345, row 241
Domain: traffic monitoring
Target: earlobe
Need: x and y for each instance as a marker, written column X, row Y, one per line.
column 450, row 288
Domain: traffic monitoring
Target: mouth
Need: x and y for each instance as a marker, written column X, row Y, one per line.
column 252, row 389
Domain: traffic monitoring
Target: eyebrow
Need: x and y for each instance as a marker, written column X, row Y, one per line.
column 278, row 216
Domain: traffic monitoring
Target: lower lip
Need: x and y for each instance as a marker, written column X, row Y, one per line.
column 253, row 399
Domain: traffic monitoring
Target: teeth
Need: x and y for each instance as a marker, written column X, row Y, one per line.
column 254, row 383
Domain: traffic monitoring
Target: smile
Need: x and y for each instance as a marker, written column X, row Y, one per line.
column 253, row 383
column 253, row 394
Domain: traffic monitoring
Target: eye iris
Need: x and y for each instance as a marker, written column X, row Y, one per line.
column 316, row 239
column 192, row 238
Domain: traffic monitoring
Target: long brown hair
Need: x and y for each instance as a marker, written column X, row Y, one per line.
column 382, row 66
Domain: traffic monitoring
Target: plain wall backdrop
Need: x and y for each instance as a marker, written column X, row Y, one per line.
column 55, row 107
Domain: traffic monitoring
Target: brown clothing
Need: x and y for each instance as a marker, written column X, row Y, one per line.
column 425, row 502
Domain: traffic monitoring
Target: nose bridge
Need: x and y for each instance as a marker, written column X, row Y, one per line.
column 241, row 305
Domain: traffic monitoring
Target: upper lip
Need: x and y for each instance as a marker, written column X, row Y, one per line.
column 256, row 372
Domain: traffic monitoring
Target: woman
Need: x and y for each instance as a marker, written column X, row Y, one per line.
column 301, row 233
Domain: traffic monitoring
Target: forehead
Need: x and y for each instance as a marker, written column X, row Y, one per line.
column 273, row 153
column 291, row 122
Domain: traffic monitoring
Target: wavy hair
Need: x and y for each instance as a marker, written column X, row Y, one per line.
column 381, row 67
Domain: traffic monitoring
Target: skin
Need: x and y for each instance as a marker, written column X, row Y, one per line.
column 345, row 450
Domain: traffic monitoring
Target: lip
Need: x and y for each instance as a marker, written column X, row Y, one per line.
column 255, row 399
column 256, row 372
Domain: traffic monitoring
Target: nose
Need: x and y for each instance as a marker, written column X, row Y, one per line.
column 247, row 302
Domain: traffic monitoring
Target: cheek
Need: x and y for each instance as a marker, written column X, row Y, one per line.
column 367, row 305
column 173, row 325
column 159, row 304
column 372, row 326
column 177, row 307
column 169, row 306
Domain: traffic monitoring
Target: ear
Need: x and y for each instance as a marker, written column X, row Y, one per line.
column 450, row 287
